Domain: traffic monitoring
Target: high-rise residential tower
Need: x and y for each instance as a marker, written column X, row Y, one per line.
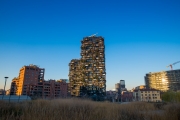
column 75, row 81
column 165, row 80
column 88, row 75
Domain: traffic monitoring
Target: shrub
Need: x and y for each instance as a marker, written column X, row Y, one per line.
column 171, row 96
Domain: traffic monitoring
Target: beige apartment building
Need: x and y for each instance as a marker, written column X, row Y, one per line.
column 147, row 95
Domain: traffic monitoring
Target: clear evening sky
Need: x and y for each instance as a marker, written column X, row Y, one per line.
column 141, row 36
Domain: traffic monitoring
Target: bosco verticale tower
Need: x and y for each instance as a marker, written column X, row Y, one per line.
column 87, row 75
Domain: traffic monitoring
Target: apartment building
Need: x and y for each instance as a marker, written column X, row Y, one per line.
column 14, row 89
column 163, row 81
column 140, row 87
column 147, row 95
column 88, row 75
column 75, row 77
column 31, row 82
column 126, row 96
column 112, row 95
column 50, row 89
column 28, row 76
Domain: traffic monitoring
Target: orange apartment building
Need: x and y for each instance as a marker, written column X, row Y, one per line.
column 14, row 86
column 28, row 76
column 50, row 89
column 31, row 82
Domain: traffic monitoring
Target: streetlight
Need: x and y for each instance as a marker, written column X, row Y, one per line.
column 4, row 86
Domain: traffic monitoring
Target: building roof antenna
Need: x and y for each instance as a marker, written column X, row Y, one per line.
column 93, row 35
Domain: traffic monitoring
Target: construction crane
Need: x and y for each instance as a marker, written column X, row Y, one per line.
column 171, row 65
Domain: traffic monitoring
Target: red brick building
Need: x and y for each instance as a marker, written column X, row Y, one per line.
column 50, row 89
column 126, row 96
column 31, row 82
column 28, row 76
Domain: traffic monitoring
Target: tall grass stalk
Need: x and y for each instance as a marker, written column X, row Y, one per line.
column 77, row 109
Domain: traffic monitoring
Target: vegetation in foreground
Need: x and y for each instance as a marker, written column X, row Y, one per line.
column 75, row 109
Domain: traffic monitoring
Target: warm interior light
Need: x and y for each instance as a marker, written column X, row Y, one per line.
column 163, row 80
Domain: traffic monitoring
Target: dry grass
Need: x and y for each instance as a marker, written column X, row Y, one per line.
column 75, row 109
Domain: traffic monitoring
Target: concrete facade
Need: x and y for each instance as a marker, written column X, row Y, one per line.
column 147, row 95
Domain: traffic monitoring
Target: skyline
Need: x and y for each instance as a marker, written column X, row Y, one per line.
column 140, row 37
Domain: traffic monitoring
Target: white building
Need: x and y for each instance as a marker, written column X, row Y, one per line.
column 147, row 95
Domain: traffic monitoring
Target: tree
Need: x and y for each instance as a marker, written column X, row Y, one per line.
column 171, row 96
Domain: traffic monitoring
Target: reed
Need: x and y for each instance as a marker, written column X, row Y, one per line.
column 77, row 109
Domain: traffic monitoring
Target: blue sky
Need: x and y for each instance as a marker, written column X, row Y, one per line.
column 141, row 36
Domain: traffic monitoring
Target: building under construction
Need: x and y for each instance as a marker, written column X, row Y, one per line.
column 163, row 81
column 87, row 75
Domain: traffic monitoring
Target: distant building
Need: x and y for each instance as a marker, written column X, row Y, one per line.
column 163, row 81
column 8, row 92
column 87, row 75
column 126, row 96
column 118, row 88
column 111, row 95
column 2, row 92
column 147, row 95
column 122, row 84
column 140, row 87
